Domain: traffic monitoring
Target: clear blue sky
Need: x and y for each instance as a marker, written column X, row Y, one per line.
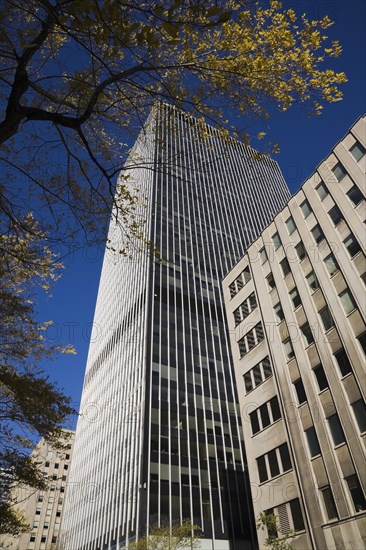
column 304, row 142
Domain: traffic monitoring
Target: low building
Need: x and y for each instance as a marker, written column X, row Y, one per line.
column 296, row 312
column 43, row 510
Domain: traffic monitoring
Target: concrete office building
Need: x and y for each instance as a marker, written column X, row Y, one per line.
column 43, row 510
column 159, row 439
column 296, row 311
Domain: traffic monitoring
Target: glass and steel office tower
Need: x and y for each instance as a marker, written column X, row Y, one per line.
column 159, row 438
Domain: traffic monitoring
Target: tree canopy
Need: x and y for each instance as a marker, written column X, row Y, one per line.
column 79, row 76
column 31, row 406
column 169, row 537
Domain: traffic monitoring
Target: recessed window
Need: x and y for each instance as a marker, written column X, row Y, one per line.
column 300, row 251
column 322, row 191
column 352, row 245
column 263, row 255
column 273, row 463
column 312, row 281
column 329, row 503
column 307, row 334
column 336, row 429
column 262, row 468
column 32, row 538
column 343, row 362
column 321, row 377
column 38, row 511
column 270, row 281
column 348, row 301
column 300, row 391
column 289, row 350
column 43, row 539
column 312, row 440
column 265, row 415
column 47, row 464
column 357, row 151
column 290, row 224
column 296, row 514
column 356, row 493
column 40, row 498
column 362, row 340
column 317, row 233
column 335, row 215
column 359, row 410
column 339, row 172
column 278, row 313
column 305, row 208
column 295, row 297
column 35, row 524
column 54, row 540
column 276, row 241
column 326, row 318
column 285, row 457
column 355, row 195
column 285, row 267
column 248, row 381
column 331, row 264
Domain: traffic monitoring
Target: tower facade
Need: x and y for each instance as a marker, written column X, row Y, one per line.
column 159, row 437
column 298, row 336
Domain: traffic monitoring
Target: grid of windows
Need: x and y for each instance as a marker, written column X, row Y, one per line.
column 242, row 312
column 275, row 462
column 240, row 282
column 251, row 339
column 258, row 374
column 265, row 415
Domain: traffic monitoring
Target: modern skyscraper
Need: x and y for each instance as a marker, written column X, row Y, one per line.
column 298, row 336
column 159, row 438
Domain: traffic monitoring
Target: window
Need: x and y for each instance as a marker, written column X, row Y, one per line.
column 289, row 350
column 356, row 492
column 234, row 287
column 270, row 281
column 331, row 264
column 58, row 513
column 357, row 151
column 312, row 440
column 245, row 308
column 290, row 224
column 46, row 464
column 335, row 215
column 45, row 526
column 285, row 266
column 352, row 245
column 276, row 241
column 343, row 362
column 258, row 374
column 273, row 463
column 348, row 301
column 265, row 415
column 300, row 251
column 359, row 410
column 322, row 191
column 285, row 457
column 326, row 318
column 54, row 540
column 251, row 339
column 262, row 469
column 300, row 391
column 38, row 511
column 329, row 502
column 289, row 517
column 295, row 297
column 32, row 538
column 362, row 340
column 305, row 208
column 317, row 233
column 355, row 195
column 339, row 172
column 336, row 429
column 307, row 334
column 263, row 255
column 35, row 524
column 40, row 498
column 56, row 466
column 321, row 377
column 312, row 281
column 278, row 313
column 43, row 539
column 66, row 467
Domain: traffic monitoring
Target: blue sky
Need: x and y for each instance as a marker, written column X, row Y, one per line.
column 304, row 142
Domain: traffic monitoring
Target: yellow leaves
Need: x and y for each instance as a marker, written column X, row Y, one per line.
column 261, row 135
